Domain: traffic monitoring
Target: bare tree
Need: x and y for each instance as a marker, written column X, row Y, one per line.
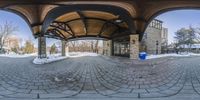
column 198, row 34
column 72, row 44
column 6, row 29
column 186, row 37
column 84, row 46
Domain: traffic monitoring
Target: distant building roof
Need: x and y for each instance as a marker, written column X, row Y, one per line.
column 192, row 46
column 158, row 20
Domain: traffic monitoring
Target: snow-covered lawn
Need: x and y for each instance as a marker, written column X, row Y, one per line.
column 57, row 57
column 17, row 55
column 172, row 55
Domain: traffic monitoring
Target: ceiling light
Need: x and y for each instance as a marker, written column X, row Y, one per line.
column 118, row 21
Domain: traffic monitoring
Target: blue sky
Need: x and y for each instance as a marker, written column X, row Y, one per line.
column 173, row 20
column 24, row 31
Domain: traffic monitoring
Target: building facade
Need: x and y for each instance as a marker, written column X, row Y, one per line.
column 155, row 39
column 164, row 40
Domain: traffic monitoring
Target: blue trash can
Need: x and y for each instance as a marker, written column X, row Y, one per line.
column 142, row 55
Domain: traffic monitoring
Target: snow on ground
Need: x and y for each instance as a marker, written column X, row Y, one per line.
column 13, row 55
column 57, row 57
column 81, row 54
column 49, row 59
column 172, row 55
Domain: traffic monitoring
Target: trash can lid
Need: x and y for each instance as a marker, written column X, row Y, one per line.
column 143, row 53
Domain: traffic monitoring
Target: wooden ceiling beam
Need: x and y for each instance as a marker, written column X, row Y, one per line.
column 83, row 18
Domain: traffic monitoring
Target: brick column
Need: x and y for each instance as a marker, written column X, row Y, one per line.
column 42, row 47
column 134, row 46
column 63, row 48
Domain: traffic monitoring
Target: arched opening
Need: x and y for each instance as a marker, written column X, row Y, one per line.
column 15, row 34
column 158, row 38
column 91, row 23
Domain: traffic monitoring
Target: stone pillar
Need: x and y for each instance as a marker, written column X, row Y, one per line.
column 134, row 46
column 42, row 47
column 107, row 47
column 67, row 50
column 63, row 48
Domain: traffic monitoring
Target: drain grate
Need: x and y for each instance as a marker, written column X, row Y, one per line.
column 38, row 96
column 139, row 95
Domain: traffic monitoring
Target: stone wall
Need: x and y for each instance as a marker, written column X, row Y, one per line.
column 164, row 37
column 153, row 35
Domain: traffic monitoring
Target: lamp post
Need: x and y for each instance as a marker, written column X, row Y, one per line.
column 157, row 47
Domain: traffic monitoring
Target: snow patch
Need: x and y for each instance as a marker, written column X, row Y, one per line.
column 57, row 79
column 172, row 55
column 13, row 55
column 57, row 57
column 49, row 59
column 81, row 54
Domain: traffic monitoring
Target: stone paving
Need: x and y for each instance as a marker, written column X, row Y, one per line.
column 100, row 78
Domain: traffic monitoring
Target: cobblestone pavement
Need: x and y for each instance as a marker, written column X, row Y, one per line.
column 100, row 78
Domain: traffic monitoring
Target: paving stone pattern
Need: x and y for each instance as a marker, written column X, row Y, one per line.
column 100, row 77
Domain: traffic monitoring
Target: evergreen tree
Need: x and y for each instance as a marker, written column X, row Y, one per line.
column 53, row 49
column 29, row 47
column 15, row 49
